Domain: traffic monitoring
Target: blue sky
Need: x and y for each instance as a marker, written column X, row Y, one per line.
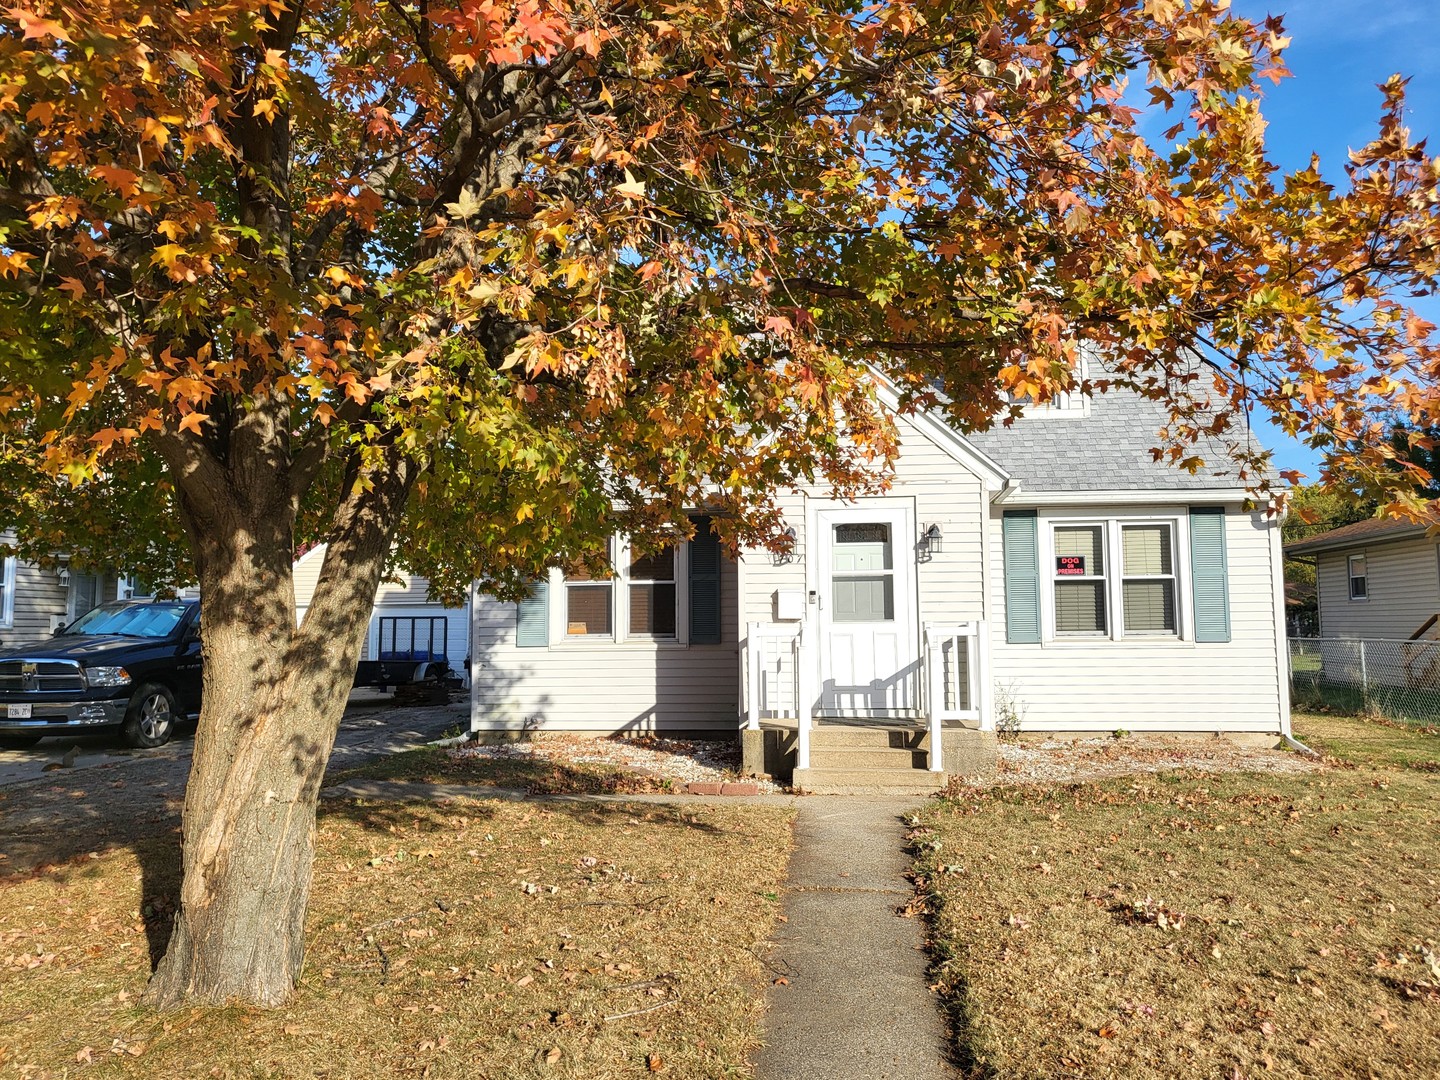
column 1339, row 51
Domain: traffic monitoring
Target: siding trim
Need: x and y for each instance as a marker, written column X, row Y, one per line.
column 7, row 582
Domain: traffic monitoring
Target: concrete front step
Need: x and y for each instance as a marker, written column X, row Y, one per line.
column 830, row 781
column 826, row 756
column 869, row 737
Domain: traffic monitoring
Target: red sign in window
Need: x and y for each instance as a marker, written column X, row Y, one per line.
column 1070, row 565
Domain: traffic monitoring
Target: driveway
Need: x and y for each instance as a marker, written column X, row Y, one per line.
column 110, row 795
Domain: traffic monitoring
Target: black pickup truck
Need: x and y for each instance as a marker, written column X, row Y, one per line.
column 134, row 666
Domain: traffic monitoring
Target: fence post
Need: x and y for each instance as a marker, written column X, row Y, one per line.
column 1364, row 676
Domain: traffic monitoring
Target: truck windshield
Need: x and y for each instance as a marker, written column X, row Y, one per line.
column 130, row 620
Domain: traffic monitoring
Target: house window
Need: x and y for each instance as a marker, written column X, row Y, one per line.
column 1148, row 578
column 641, row 599
column 7, row 591
column 589, row 606
column 1080, row 579
column 863, row 573
column 651, row 591
column 1359, row 578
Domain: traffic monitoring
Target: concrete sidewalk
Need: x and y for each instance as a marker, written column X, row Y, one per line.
column 856, row 1006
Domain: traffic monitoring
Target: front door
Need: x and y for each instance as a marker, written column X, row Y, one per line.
column 869, row 648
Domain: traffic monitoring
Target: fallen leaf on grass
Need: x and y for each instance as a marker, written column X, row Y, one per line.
column 654, row 1063
column 553, row 1055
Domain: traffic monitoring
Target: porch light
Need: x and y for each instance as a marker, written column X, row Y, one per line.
column 932, row 542
column 786, row 556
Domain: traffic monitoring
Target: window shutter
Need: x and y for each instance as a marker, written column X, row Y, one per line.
column 532, row 617
column 1022, row 577
column 1209, row 572
column 704, row 585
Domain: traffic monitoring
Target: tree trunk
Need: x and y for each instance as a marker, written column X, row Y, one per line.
column 273, row 699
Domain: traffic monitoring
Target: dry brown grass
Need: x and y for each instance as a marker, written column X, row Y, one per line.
column 1191, row 926
column 476, row 939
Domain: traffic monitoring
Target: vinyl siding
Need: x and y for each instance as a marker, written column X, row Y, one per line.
column 1404, row 588
column 1155, row 685
column 39, row 595
column 603, row 686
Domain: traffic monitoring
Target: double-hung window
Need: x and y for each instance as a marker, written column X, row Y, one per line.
column 1115, row 578
column 1148, row 578
column 639, row 600
column 651, row 592
column 589, row 605
column 1081, row 585
column 1359, row 578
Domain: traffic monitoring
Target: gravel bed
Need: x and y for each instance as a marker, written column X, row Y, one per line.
column 680, row 761
column 1101, row 759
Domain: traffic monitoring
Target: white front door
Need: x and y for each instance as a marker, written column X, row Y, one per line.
column 869, row 645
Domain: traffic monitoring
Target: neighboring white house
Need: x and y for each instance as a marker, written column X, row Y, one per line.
column 1047, row 576
column 404, row 619
column 1375, row 579
column 34, row 601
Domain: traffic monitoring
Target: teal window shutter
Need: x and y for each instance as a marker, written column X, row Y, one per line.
column 532, row 617
column 705, row 561
column 1209, row 573
column 1022, row 576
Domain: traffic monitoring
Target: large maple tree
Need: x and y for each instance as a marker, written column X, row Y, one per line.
column 483, row 282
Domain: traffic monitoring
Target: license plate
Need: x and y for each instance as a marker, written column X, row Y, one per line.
column 17, row 712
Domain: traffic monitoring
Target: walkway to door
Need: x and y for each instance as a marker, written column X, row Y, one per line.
column 855, row 1003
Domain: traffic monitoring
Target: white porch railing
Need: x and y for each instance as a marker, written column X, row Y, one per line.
column 957, row 680
column 779, row 672
column 777, row 683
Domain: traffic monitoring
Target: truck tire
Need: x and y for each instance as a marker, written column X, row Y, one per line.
column 150, row 719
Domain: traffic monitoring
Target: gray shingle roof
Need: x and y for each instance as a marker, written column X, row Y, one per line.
column 1106, row 450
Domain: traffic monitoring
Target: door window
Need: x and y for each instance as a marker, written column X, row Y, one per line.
column 862, row 573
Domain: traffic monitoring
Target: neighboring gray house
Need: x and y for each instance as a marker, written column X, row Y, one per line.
column 1374, row 579
column 35, row 601
column 1049, row 576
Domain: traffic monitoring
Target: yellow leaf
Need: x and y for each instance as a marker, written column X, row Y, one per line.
column 192, row 421
column 265, row 107
column 152, row 130
column 631, row 188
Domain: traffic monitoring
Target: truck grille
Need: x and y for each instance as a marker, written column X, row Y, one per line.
column 39, row 676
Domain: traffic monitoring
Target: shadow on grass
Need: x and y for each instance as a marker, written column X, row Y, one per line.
column 57, row 847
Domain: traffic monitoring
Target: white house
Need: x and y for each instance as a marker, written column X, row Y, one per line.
column 1049, row 576
column 35, row 601
column 404, row 619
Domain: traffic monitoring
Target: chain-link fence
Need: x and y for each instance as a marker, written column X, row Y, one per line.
column 1397, row 679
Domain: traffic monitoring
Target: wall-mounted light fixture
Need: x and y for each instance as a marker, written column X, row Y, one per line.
column 932, row 541
column 786, row 555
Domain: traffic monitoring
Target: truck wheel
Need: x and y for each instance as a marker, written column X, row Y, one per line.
column 150, row 719
column 18, row 742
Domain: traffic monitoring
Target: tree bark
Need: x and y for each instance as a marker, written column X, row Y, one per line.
column 273, row 699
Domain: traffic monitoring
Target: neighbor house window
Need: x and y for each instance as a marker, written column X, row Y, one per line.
column 651, row 591
column 1080, row 580
column 7, row 591
column 1359, row 578
column 1148, row 578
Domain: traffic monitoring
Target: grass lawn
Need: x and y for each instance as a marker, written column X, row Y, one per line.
column 1238, row 926
column 473, row 939
column 436, row 765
